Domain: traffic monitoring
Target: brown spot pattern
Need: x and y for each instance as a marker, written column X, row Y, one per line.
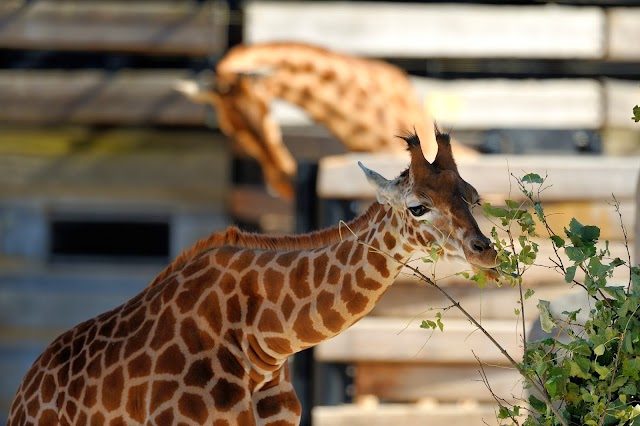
column 210, row 310
column 226, row 394
column 112, row 389
column 303, row 326
column 193, row 407
column 170, row 361
column 273, row 284
column 269, row 321
column 299, row 279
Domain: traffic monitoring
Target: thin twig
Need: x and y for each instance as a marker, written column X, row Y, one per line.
column 520, row 369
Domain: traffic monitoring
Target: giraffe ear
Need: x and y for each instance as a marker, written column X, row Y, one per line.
column 385, row 189
column 444, row 158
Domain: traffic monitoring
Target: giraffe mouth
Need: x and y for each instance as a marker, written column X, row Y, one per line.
column 491, row 273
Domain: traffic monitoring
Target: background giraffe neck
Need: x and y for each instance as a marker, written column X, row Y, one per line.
column 377, row 100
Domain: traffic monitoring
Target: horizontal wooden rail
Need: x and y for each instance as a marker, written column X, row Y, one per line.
column 417, row 30
column 399, row 382
column 624, row 33
column 168, row 27
column 96, row 97
column 400, row 340
column 569, row 177
column 406, row 415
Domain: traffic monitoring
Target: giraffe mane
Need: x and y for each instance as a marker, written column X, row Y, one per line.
column 234, row 237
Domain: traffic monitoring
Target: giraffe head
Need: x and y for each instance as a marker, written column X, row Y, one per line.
column 436, row 204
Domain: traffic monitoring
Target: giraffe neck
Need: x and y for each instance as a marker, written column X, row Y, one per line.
column 273, row 296
column 340, row 283
column 309, row 294
column 376, row 99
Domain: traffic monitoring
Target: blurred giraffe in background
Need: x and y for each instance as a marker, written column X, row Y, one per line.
column 362, row 102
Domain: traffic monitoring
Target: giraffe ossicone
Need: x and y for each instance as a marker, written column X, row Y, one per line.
column 207, row 341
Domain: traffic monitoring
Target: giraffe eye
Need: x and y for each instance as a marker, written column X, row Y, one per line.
column 419, row 210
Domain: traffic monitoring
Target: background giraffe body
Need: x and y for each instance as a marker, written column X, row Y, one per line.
column 207, row 341
column 363, row 102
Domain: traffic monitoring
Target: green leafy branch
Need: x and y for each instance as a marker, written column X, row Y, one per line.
column 636, row 113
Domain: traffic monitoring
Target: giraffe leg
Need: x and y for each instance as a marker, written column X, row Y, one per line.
column 277, row 404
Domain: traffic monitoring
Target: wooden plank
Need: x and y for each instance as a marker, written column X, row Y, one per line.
column 497, row 103
column 443, row 30
column 569, row 177
column 167, row 27
column 501, row 103
column 96, row 97
column 620, row 98
column 405, row 415
column 444, row 383
column 417, row 301
column 624, row 33
column 400, row 340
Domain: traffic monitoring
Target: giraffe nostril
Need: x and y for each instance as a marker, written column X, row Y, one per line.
column 479, row 245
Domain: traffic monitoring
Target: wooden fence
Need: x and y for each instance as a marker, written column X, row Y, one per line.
column 412, row 376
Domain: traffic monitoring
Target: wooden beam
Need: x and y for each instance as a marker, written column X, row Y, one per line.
column 393, row 382
column 569, row 177
column 624, row 33
column 405, row 415
column 96, row 97
column 498, row 103
column 418, row 30
column 620, row 98
column 401, row 340
column 167, row 27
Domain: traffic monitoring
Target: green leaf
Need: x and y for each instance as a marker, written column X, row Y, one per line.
column 601, row 370
column 576, row 254
column 636, row 113
column 571, row 273
column 574, row 226
column 546, row 320
column 529, row 293
column 557, row 241
column 599, row 350
column 480, row 278
column 489, row 210
column 514, row 205
column 428, row 325
column 539, row 212
column 590, row 233
column 537, row 404
column 532, row 178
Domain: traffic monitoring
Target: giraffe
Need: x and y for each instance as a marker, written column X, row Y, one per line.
column 207, row 341
column 361, row 101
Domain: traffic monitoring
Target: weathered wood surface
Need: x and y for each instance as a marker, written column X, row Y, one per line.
column 498, row 103
column 569, row 177
column 624, row 33
column 96, row 97
column 621, row 96
column 417, row 30
column 406, row 415
column 168, row 27
column 444, row 383
column 401, row 340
